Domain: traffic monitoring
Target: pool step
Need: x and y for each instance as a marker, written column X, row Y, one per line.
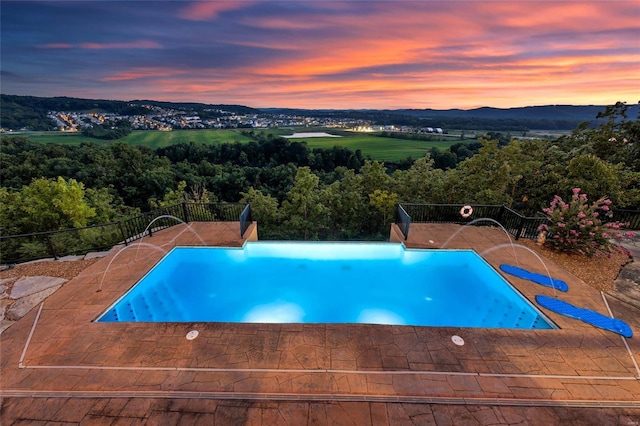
column 508, row 316
column 141, row 309
column 155, row 306
column 164, row 301
column 125, row 313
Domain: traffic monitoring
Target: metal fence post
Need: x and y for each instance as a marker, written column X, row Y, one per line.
column 51, row 248
column 501, row 214
column 185, row 211
column 148, row 222
column 520, row 226
column 124, row 237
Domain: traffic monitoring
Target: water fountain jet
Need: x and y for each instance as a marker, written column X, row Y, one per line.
column 513, row 246
column 483, row 219
column 153, row 246
column 168, row 216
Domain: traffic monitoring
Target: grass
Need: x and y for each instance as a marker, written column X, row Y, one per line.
column 158, row 139
column 61, row 138
column 378, row 148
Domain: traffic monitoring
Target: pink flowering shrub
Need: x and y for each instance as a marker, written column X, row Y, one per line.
column 576, row 227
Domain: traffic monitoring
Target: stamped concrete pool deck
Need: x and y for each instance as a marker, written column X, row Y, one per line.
column 58, row 366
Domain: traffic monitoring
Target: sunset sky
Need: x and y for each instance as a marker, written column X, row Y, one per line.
column 325, row 54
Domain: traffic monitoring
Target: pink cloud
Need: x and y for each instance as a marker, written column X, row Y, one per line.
column 204, row 10
column 398, row 54
column 139, row 73
column 57, row 46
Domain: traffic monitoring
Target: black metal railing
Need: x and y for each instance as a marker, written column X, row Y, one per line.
column 520, row 226
column 449, row 213
column 77, row 241
column 56, row 244
column 631, row 218
column 475, row 214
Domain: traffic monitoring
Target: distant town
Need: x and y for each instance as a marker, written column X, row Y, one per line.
column 30, row 113
column 167, row 119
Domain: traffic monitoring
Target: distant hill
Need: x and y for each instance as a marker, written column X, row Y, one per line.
column 547, row 112
column 547, row 117
column 30, row 112
column 194, row 106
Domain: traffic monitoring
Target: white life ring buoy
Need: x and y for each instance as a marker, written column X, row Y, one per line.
column 466, row 211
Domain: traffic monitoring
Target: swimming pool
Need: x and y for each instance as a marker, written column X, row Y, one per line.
column 319, row 282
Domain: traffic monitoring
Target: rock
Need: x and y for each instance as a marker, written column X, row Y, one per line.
column 4, row 304
column 8, row 280
column 25, row 304
column 627, row 286
column 96, row 254
column 71, row 258
column 31, row 285
column 627, row 291
column 3, row 291
column 631, row 272
column 5, row 288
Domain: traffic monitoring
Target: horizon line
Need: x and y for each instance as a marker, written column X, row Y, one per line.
column 329, row 109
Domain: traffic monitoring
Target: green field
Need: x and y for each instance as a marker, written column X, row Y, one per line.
column 378, row 148
column 157, row 139
column 62, row 138
column 150, row 138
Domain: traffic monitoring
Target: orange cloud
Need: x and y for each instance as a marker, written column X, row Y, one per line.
column 422, row 54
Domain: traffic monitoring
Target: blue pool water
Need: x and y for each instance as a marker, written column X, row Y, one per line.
column 283, row 282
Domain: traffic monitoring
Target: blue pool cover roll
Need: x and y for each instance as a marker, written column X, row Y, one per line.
column 586, row 315
column 535, row 277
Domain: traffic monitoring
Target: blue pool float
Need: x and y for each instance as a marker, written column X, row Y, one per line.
column 586, row 315
column 535, row 277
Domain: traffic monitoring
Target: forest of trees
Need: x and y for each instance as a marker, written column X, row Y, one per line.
column 312, row 193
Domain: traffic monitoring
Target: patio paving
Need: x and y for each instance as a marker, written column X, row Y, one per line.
column 58, row 365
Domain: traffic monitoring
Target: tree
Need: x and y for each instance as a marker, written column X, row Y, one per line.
column 302, row 212
column 374, row 176
column 108, row 207
column 47, row 205
column 422, row 183
column 348, row 209
column 385, row 203
column 264, row 210
column 615, row 138
column 490, row 177
column 480, row 179
column 197, row 194
column 595, row 176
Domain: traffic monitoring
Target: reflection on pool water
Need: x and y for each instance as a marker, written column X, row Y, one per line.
column 301, row 282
